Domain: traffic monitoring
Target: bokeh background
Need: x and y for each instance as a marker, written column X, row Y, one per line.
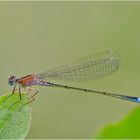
column 36, row 36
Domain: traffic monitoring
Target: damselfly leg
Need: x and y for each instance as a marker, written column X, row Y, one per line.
column 31, row 98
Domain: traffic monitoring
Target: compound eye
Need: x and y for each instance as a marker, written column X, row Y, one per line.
column 11, row 83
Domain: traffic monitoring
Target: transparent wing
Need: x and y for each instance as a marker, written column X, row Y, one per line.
column 90, row 68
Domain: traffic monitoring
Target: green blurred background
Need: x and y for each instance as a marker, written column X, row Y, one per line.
column 36, row 36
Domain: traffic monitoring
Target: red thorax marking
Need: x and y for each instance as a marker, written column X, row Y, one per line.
column 26, row 79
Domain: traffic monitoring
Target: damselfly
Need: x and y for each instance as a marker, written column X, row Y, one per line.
column 90, row 68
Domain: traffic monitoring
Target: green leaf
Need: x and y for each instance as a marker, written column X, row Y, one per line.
column 126, row 128
column 14, row 119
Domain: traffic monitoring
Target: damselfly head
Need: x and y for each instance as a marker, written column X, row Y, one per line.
column 12, row 80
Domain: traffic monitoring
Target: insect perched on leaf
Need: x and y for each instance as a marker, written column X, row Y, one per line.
column 90, row 68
